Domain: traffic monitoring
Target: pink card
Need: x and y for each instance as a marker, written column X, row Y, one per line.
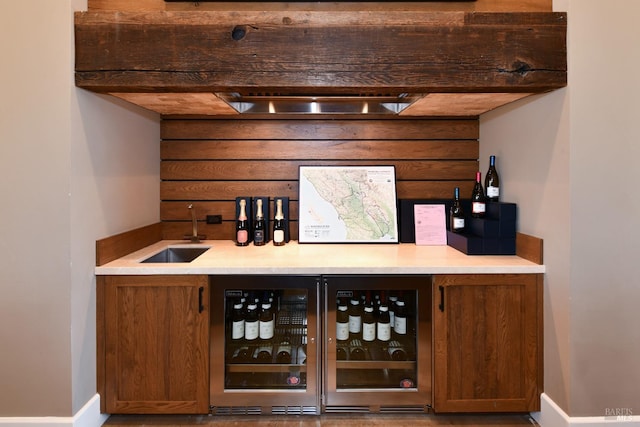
column 430, row 224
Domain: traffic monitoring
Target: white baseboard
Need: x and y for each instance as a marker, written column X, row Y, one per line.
column 551, row 415
column 88, row 416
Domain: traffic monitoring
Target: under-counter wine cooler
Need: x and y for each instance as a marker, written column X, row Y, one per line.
column 377, row 343
column 264, row 344
column 311, row 344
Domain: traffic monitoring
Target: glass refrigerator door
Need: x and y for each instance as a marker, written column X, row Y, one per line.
column 263, row 343
column 377, row 331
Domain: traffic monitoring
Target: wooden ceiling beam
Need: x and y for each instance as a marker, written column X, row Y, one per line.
column 319, row 52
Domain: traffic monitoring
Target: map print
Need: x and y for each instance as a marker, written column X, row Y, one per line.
column 348, row 204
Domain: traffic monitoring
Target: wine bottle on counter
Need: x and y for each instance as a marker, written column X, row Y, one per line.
column 478, row 199
column 237, row 321
column 266, row 323
column 242, row 228
column 258, row 230
column 278, row 225
column 342, row 322
column 368, row 324
column 456, row 213
column 251, row 323
column 492, row 181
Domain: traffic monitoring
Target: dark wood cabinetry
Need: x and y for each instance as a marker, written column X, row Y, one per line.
column 487, row 343
column 154, row 343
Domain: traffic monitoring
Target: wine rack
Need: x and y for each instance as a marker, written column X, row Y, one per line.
column 305, row 310
column 268, row 382
column 290, row 328
column 388, row 369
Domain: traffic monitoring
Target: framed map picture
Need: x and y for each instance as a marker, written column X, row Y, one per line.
column 348, row 204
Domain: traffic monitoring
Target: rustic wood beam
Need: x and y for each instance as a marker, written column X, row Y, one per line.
column 320, row 52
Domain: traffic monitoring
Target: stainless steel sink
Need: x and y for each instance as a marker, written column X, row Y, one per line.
column 176, row 255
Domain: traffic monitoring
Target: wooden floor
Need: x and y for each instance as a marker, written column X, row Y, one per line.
column 330, row 420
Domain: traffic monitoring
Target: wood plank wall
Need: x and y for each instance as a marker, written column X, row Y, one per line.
column 209, row 162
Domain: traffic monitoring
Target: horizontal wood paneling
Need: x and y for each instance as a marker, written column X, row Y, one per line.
column 320, row 150
column 210, row 162
column 228, row 190
column 314, row 130
column 288, row 169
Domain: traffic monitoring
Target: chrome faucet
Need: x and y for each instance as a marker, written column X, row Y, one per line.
column 194, row 237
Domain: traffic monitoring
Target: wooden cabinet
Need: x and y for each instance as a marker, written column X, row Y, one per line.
column 153, row 344
column 487, row 343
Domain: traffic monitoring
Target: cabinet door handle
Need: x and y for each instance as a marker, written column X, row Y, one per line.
column 441, row 306
column 201, row 299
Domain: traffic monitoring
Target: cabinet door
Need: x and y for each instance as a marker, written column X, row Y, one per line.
column 487, row 343
column 156, row 344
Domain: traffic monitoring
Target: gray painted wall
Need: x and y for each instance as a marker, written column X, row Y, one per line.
column 569, row 159
column 76, row 167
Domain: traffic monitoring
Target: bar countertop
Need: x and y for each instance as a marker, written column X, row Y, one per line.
column 224, row 257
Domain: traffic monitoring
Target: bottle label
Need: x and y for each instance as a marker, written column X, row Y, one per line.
column 342, row 331
column 355, row 324
column 368, row 331
column 258, row 236
column 478, row 207
column 384, row 331
column 493, row 192
column 278, row 236
column 458, row 223
column 243, row 236
column 401, row 325
column 266, row 330
column 251, row 330
column 237, row 330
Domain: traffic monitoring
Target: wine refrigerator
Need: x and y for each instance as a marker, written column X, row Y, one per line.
column 264, row 368
column 381, row 361
column 310, row 344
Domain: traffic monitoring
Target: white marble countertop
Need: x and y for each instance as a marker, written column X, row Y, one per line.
column 224, row 257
